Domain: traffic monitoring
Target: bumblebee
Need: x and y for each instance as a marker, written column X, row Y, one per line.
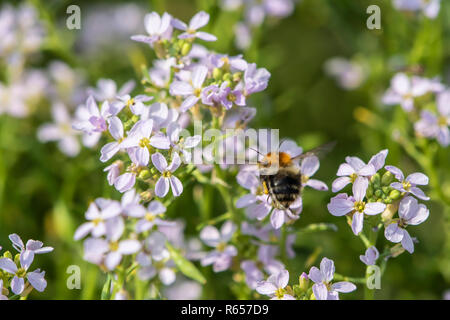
column 281, row 177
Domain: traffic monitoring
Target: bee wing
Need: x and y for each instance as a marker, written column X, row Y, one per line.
column 319, row 151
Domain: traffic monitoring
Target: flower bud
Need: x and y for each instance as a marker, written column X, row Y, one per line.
column 17, row 259
column 217, row 73
column 186, row 48
column 389, row 212
column 237, row 76
column 7, row 254
column 395, row 194
column 369, row 192
column 376, row 180
column 145, row 174
column 303, row 281
column 146, row 196
column 386, row 190
column 227, row 77
column 387, row 178
column 378, row 193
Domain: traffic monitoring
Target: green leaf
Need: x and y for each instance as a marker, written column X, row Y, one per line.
column 106, row 288
column 185, row 266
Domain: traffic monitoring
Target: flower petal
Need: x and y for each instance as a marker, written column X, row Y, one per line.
column 266, row 288
column 407, row 242
column 345, row 170
column 339, row 206
column 17, row 285
column 277, row 218
column 320, row 291
column 393, row 233
column 210, row 236
column 309, row 166
column 8, row 265
column 360, row 188
column 417, row 178
column 159, row 162
column 162, row 187
column 340, row 183
column 37, row 280
column 357, row 222
column 327, row 269
column 344, row 286
column 176, row 185
column 199, row 20
column 373, row 208
column 317, row 184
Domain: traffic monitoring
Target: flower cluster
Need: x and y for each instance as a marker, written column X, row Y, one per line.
column 145, row 135
column 21, row 36
column 316, row 285
column 349, row 74
column 15, row 272
column 255, row 12
column 116, row 230
column 22, row 33
column 413, row 94
column 430, row 8
column 187, row 77
column 376, row 192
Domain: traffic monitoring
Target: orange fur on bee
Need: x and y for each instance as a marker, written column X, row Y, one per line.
column 282, row 158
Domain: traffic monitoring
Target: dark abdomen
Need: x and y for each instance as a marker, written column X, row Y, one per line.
column 284, row 188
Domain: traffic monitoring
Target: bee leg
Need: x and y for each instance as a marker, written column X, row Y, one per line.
column 292, row 215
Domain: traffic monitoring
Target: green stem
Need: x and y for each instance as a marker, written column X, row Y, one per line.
column 368, row 242
column 283, row 245
column 341, row 277
column 368, row 293
column 365, row 240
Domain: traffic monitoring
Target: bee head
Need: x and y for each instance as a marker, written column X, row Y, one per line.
column 275, row 160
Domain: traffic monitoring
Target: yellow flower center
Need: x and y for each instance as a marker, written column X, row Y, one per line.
column 167, row 174
column 353, row 177
column 407, row 96
column 65, row 127
column 114, row 246
column 96, row 221
column 130, row 102
column 21, row 273
column 144, row 143
column 221, row 247
column 359, row 206
column 304, row 179
column 442, row 121
column 280, row 293
column 159, row 265
column 406, row 185
column 197, row 92
column 150, row 216
column 231, row 97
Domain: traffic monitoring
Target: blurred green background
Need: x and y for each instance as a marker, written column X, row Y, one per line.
column 43, row 194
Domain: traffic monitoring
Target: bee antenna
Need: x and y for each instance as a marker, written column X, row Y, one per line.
column 256, row 151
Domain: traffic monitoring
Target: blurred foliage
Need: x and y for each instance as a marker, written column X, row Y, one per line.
column 43, row 194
